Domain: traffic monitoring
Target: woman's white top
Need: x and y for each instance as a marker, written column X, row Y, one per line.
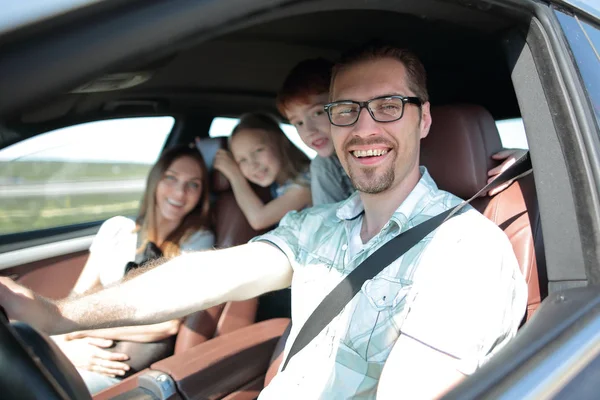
column 115, row 245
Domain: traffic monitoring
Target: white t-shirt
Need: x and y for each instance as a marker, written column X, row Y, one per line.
column 116, row 243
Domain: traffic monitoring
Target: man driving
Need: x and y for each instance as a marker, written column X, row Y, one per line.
column 434, row 315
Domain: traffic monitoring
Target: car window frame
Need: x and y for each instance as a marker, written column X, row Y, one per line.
column 38, row 237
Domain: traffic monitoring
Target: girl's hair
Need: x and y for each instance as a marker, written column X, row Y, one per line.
column 293, row 161
column 194, row 221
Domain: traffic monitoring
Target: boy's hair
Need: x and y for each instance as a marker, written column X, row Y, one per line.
column 293, row 161
column 308, row 78
column 375, row 50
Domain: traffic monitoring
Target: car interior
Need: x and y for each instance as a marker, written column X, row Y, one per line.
column 481, row 58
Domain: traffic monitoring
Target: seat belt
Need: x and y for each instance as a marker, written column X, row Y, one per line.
column 341, row 295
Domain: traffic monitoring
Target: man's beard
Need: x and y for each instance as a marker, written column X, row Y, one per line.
column 370, row 182
column 366, row 179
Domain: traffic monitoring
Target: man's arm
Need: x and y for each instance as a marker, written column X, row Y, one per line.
column 428, row 375
column 179, row 287
column 137, row 333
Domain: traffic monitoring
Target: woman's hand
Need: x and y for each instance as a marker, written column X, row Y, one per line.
column 89, row 353
column 225, row 163
column 509, row 156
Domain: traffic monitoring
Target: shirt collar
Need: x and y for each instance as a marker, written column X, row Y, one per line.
column 412, row 205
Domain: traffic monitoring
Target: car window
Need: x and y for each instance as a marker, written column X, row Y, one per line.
column 222, row 126
column 82, row 173
column 593, row 35
column 512, row 133
column 590, row 6
column 584, row 39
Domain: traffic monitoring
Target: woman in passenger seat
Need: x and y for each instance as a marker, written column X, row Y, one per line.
column 262, row 154
column 173, row 218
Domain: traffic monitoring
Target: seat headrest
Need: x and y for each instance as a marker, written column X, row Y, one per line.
column 457, row 152
column 208, row 148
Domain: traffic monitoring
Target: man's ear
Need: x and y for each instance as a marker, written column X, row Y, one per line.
column 425, row 120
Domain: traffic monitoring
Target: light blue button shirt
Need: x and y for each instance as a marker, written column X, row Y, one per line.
column 346, row 359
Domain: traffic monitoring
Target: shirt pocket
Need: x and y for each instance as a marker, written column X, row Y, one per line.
column 376, row 318
column 384, row 293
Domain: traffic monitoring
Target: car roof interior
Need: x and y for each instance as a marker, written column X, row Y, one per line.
column 241, row 67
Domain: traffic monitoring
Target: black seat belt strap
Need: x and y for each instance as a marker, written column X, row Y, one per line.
column 341, row 295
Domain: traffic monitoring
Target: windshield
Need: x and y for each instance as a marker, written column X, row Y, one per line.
column 20, row 13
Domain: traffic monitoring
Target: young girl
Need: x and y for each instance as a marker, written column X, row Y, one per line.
column 262, row 154
column 173, row 218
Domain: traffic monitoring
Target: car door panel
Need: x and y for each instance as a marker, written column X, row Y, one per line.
column 41, row 265
column 232, row 365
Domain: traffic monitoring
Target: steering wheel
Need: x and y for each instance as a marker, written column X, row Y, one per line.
column 33, row 367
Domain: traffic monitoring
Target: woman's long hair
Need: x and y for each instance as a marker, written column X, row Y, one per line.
column 195, row 220
column 293, row 161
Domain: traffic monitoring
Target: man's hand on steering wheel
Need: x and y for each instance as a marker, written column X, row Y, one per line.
column 23, row 304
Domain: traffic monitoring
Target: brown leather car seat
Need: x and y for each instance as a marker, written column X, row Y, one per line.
column 457, row 153
column 230, row 228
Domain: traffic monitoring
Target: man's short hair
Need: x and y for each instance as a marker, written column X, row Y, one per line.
column 308, row 78
column 415, row 71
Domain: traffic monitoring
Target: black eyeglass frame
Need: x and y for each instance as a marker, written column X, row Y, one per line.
column 365, row 104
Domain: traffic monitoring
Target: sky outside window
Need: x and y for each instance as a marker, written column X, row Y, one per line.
column 127, row 140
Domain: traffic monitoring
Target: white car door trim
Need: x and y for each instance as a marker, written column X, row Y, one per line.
column 45, row 251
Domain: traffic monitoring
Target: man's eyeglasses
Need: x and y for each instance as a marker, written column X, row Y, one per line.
column 382, row 109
